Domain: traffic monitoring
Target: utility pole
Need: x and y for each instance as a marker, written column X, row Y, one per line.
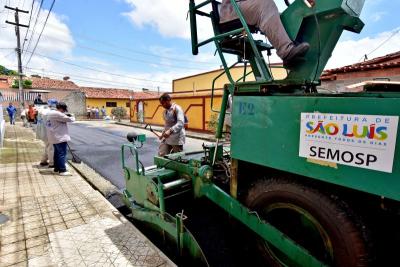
column 18, row 49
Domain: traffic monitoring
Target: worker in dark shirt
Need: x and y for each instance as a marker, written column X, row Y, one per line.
column 38, row 100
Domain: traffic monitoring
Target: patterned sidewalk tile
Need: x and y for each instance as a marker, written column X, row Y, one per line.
column 61, row 221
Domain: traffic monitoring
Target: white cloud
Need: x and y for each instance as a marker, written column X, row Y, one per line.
column 377, row 16
column 352, row 51
column 168, row 17
column 62, row 44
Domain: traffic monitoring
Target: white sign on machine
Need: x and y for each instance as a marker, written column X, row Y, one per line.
column 364, row 141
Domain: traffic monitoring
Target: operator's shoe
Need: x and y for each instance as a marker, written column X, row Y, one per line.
column 297, row 51
column 66, row 173
column 43, row 163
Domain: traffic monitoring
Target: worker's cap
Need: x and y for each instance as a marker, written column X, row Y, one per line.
column 52, row 103
column 62, row 105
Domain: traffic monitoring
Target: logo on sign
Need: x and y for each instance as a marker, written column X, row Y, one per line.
column 364, row 141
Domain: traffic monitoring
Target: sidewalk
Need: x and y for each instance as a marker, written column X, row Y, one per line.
column 192, row 134
column 60, row 221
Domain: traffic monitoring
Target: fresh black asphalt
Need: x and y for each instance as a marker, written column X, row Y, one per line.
column 100, row 148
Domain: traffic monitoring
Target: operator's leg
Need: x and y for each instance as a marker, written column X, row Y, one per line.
column 177, row 148
column 265, row 15
column 164, row 149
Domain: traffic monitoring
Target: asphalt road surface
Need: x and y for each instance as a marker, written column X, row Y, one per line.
column 98, row 144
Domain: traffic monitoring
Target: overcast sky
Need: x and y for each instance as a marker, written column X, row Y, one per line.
column 146, row 43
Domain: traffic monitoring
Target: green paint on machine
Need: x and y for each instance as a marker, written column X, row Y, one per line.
column 280, row 125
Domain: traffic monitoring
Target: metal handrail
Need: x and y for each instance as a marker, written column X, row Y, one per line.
column 135, row 154
column 213, row 87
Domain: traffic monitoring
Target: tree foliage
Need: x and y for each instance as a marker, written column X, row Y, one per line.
column 5, row 71
column 213, row 123
column 119, row 112
column 26, row 84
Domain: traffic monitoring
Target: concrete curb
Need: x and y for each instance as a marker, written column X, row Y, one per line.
column 190, row 134
column 98, row 182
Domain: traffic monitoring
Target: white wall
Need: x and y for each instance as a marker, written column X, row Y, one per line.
column 2, row 126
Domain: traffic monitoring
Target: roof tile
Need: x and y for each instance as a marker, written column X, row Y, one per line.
column 388, row 61
column 114, row 93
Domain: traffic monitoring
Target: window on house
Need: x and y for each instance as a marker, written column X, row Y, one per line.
column 111, row 104
column 128, row 104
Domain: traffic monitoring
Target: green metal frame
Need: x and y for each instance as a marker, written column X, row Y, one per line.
column 136, row 196
column 321, row 26
column 139, row 183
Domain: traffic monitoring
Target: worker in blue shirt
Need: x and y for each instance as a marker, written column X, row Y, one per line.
column 11, row 110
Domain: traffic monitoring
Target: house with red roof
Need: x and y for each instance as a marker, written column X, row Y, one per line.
column 113, row 97
column 380, row 68
column 77, row 98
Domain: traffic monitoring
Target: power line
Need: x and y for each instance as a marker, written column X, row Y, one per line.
column 9, row 54
column 94, row 82
column 97, row 70
column 380, row 45
column 29, row 24
column 34, row 25
column 87, row 79
column 40, row 72
column 40, row 35
column 82, row 36
column 124, row 56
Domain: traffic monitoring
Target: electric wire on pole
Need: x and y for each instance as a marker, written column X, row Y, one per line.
column 18, row 49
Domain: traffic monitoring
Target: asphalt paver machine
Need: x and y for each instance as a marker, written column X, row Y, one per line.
column 307, row 173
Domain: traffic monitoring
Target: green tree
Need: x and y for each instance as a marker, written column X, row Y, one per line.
column 26, row 84
column 213, row 123
column 5, row 71
column 119, row 112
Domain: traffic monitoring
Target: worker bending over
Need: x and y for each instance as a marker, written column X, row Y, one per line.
column 265, row 15
column 173, row 136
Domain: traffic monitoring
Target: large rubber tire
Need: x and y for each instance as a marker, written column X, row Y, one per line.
column 337, row 239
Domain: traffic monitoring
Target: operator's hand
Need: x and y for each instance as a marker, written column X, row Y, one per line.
column 166, row 134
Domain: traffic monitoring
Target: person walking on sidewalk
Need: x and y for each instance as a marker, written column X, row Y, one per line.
column 38, row 100
column 173, row 136
column 31, row 115
column 57, row 133
column 11, row 110
column 23, row 117
column 41, row 133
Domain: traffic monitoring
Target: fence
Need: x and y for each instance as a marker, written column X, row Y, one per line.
column 13, row 96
